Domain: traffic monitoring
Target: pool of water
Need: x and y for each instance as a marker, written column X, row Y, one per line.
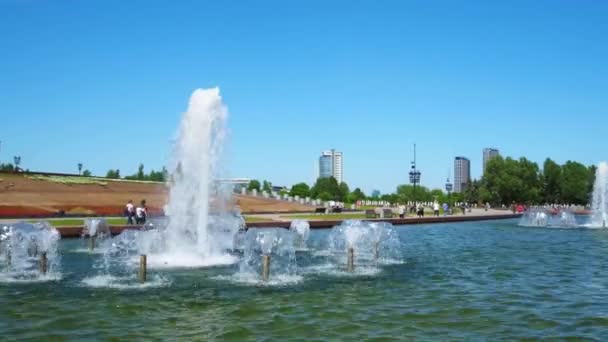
column 484, row 280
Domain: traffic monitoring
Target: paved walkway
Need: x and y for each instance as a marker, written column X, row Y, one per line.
column 289, row 217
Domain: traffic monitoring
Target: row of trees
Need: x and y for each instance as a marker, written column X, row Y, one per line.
column 154, row 176
column 508, row 180
column 326, row 189
column 8, row 167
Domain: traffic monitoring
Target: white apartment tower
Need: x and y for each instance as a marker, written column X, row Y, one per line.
column 330, row 164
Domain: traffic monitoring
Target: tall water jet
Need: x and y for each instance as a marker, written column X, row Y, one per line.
column 200, row 229
column 599, row 204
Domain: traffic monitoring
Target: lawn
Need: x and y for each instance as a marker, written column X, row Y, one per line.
column 256, row 219
column 80, row 222
column 327, row 217
column 119, row 221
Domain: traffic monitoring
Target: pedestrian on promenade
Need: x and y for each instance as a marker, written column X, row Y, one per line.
column 420, row 210
column 463, row 207
column 141, row 213
column 436, row 208
column 446, row 209
column 129, row 211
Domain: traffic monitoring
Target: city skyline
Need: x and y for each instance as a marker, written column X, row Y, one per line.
column 106, row 88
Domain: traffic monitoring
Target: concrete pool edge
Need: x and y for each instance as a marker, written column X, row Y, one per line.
column 76, row 231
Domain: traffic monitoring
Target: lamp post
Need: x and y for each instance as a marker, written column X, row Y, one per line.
column 414, row 174
column 17, row 160
column 448, row 187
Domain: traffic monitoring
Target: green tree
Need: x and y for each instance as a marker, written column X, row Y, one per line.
column 113, row 174
column 471, row 193
column 7, row 167
column 575, row 183
column 86, row 173
column 327, row 186
column 356, row 195
column 253, row 184
column 300, row 189
column 407, row 193
column 531, row 189
column 267, row 186
column 325, row 196
column 344, row 192
column 439, row 195
column 140, row 172
column 551, row 180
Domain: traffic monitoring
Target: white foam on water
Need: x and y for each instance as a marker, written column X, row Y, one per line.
column 83, row 250
column 28, row 277
column 334, row 270
column 255, row 280
column 124, row 283
column 188, row 260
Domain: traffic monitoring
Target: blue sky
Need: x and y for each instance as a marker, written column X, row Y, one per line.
column 105, row 83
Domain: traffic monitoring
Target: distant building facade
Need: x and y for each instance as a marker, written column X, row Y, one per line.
column 330, row 164
column 462, row 173
column 489, row 153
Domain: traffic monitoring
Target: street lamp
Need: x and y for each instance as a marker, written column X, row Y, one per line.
column 414, row 174
column 17, row 160
column 448, row 186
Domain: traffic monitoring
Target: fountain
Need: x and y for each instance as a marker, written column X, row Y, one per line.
column 302, row 230
column 543, row 218
column 200, row 230
column 269, row 257
column 96, row 229
column 361, row 246
column 30, row 252
column 599, row 217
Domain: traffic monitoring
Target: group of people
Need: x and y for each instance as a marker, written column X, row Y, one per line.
column 138, row 213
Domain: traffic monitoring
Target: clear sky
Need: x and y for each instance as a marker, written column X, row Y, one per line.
column 105, row 82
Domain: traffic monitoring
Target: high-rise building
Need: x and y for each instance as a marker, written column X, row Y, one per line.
column 330, row 164
column 489, row 153
column 462, row 173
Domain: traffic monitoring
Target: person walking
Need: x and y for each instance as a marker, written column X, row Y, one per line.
column 129, row 212
column 141, row 213
column 436, row 209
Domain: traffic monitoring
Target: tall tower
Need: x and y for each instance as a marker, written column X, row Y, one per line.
column 488, row 153
column 330, row 164
column 462, row 173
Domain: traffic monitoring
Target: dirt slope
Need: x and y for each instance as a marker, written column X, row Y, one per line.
column 27, row 195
